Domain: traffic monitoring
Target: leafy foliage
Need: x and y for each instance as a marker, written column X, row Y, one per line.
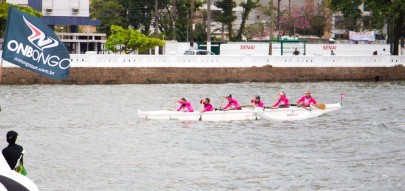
column 256, row 31
column 130, row 40
column 248, row 6
column 309, row 19
column 109, row 12
column 391, row 12
column 226, row 17
column 4, row 12
column 175, row 19
column 270, row 11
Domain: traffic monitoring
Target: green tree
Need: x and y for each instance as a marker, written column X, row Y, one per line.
column 316, row 19
column 248, row 6
column 255, row 31
column 350, row 10
column 200, row 21
column 130, row 40
column 140, row 14
column 270, row 11
column 391, row 12
column 4, row 12
column 176, row 18
column 226, row 17
column 109, row 12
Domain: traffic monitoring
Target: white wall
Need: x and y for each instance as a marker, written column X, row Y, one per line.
column 259, row 49
column 177, row 48
column 18, row 2
column 94, row 60
column 66, row 8
column 311, row 49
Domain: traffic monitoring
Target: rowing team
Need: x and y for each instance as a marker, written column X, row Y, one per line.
column 233, row 104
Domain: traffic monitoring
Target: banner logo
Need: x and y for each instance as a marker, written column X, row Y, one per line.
column 43, row 42
column 31, row 44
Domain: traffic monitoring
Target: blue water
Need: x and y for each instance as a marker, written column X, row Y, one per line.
column 90, row 138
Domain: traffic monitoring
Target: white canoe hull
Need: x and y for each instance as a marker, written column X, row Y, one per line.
column 232, row 115
column 11, row 180
column 295, row 113
column 282, row 114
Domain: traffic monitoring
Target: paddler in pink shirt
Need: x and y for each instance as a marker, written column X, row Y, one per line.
column 207, row 105
column 306, row 100
column 257, row 102
column 282, row 102
column 185, row 106
column 232, row 103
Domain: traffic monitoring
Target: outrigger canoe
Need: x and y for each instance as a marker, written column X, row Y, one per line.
column 292, row 113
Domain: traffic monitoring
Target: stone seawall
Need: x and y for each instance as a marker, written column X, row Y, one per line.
column 135, row 75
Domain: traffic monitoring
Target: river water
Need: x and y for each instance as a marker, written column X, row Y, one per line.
column 90, row 138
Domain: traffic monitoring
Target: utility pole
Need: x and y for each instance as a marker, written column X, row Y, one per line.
column 289, row 16
column 173, row 19
column 156, row 19
column 278, row 19
column 271, row 20
column 209, row 25
column 191, row 36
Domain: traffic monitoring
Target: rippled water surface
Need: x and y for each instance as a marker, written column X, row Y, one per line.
column 90, row 138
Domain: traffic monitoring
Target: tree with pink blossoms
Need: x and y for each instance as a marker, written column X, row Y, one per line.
column 309, row 19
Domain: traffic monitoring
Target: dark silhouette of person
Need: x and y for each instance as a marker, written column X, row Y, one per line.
column 296, row 52
column 12, row 152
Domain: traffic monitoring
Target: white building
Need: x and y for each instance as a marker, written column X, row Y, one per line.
column 66, row 16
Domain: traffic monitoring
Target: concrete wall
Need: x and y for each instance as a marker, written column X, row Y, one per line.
column 142, row 75
column 146, row 69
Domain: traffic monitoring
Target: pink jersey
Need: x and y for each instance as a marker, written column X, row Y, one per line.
column 306, row 101
column 185, row 106
column 232, row 103
column 282, row 101
column 208, row 107
column 257, row 104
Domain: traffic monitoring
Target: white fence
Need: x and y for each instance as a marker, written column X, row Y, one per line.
column 94, row 60
column 233, row 61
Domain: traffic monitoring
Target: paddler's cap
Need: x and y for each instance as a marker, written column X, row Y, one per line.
column 230, row 95
column 257, row 97
column 11, row 135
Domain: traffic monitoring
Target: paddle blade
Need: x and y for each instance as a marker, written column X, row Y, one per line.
column 320, row 106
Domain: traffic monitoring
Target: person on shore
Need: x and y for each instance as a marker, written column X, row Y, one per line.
column 13, row 153
column 296, row 52
column 307, row 100
column 256, row 102
column 375, row 53
column 282, row 102
column 332, row 53
column 185, row 105
column 233, row 104
column 207, row 105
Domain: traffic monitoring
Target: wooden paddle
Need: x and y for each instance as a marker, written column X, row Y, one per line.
column 222, row 101
column 201, row 109
column 320, row 106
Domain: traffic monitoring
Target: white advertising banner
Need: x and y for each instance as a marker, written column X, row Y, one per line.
column 367, row 36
